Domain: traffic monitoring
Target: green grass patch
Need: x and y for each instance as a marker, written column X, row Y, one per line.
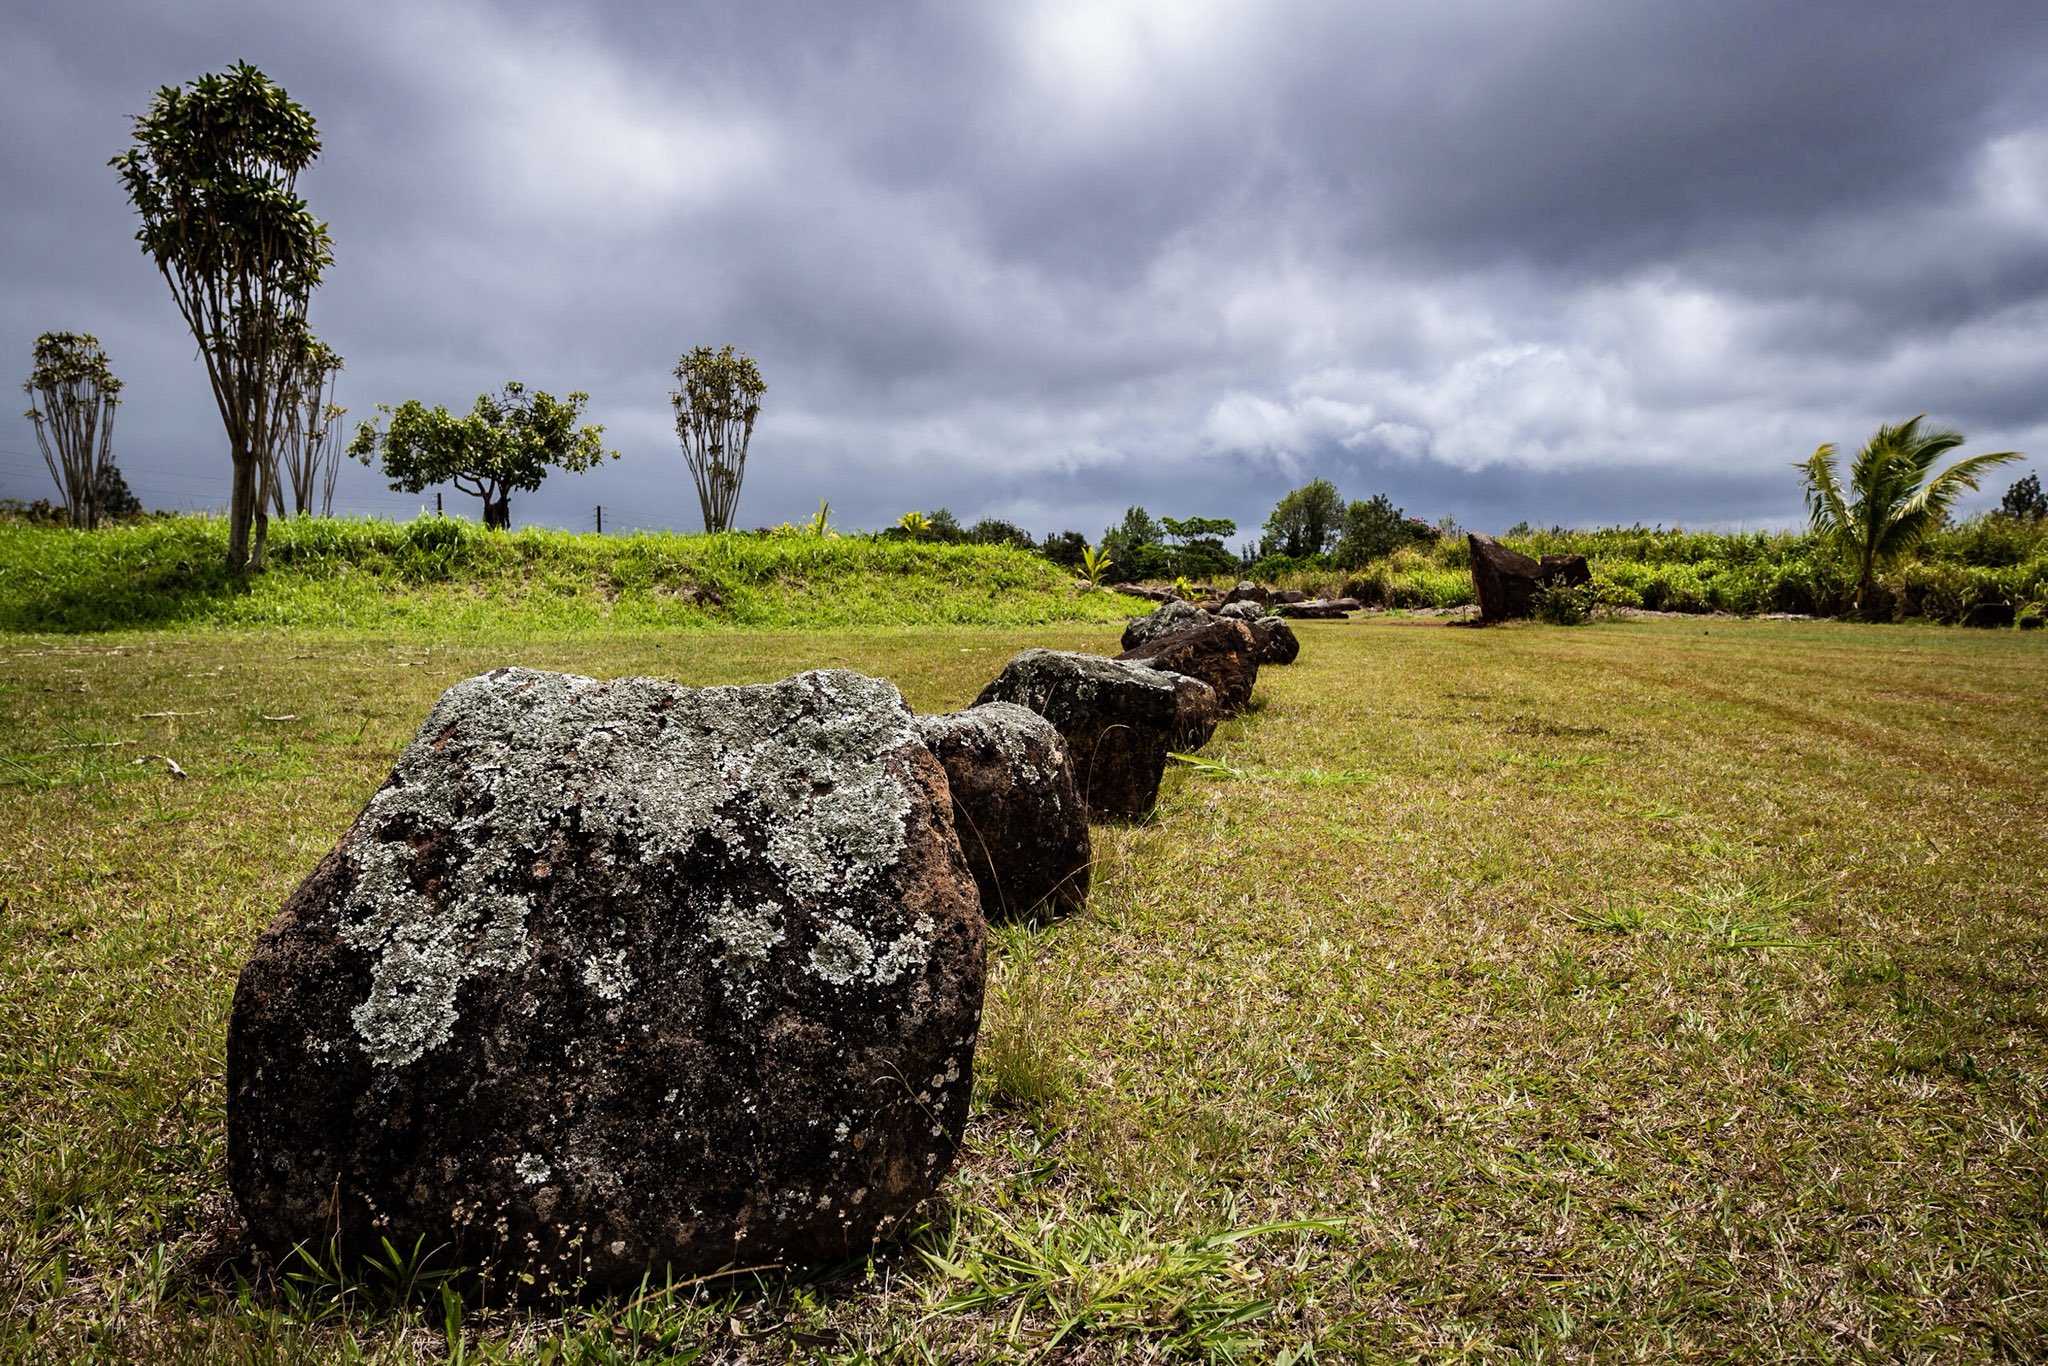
column 441, row 573
column 1653, row 990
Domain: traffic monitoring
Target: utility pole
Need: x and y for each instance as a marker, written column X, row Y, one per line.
column 437, row 502
column 600, row 519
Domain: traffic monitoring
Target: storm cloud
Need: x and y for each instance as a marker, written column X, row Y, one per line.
column 1552, row 260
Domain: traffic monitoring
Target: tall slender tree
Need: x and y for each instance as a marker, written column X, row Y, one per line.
column 1894, row 498
column 73, row 395
column 716, row 398
column 214, row 176
column 309, row 456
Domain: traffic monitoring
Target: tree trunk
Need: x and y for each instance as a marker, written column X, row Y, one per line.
column 498, row 512
column 242, row 509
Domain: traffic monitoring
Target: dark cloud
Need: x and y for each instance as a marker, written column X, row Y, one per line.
column 1561, row 261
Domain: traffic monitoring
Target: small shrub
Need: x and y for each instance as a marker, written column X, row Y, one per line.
column 1564, row 604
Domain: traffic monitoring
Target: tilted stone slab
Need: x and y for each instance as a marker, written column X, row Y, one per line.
column 617, row 978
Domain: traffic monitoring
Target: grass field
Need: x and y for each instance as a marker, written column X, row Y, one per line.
column 1651, row 990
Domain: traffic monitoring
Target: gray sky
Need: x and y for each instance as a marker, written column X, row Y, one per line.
column 1577, row 261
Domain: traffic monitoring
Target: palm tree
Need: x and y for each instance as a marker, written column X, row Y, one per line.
column 1898, row 499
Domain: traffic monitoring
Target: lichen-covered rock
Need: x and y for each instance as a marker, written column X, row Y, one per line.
column 1167, row 619
column 1244, row 590
column 1016, row 808
column 1241, row 609
column 618, row 977
column 1277, row 641
column 1118, row 721
column 1196, row 714
column 1223, row 654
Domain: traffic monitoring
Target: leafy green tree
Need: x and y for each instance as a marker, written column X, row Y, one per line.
column 1372, row 527
column 1198, row 551
column 1305, row 522
column 1064, row 548
column 995, row 531
column 716, row 398
column 2024, row 501
column 1894, row 497
column 944, row 526
column 73, row 394
column 117, row 501
column 213, row 175
column 509, row 440
column 1133, row 546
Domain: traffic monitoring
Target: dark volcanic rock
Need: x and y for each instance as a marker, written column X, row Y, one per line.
column 2032, row 622
column 1016, row 808
column 1196, row 713
column 1164, row 620
column 1118, row 721
column 1564, row 571
column 618, row 977
column 1246, row 591
column 1990, row 615
column 1319, row 609
column 1277, row 641
column 1506, row 581
column 1280, row 595
column 1223, row 654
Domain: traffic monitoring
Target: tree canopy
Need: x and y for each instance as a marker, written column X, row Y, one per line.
column 507, row 441
column 1894, row 497
column 213, row 175
column 716, row 399
column 2024, row 500
column 1305, row 522
column 72, row 396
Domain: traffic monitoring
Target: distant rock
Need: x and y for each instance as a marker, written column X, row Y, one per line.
column 1118, row 720
column 1016, row 808
column 1247, row 591
column 1990, row 615
column 611, row 978
column 1241, row 609
column 1282, row 595
column 1223, row 654
column 1319, row 609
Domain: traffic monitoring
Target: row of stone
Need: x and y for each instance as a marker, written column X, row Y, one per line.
column 618, row 977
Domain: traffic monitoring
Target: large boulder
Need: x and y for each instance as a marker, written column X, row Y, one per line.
column 1244, row 590
column 1223, row 654
column 618, row 978
column 1165, row 620
column 1118, row 720
column 1016, row 808
column 1241, row 609
column 1506, row 581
